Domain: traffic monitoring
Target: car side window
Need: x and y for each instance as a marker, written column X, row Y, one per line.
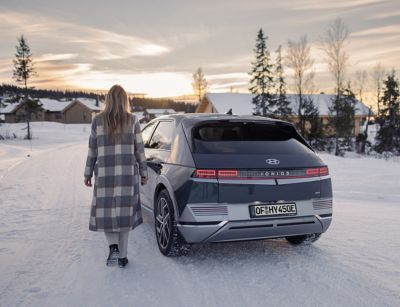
column 162, row 136
column 147, row 131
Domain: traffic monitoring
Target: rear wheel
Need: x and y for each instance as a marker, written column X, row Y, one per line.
column 303, row 239
column 169, row 240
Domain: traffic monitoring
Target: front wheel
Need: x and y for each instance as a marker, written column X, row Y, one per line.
column 170, row 242
column 303, row 239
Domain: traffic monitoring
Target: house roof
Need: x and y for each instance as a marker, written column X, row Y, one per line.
column 161, row 111
column 8, row 107
column 53, row 105
column 91, row 103
column 241, row 103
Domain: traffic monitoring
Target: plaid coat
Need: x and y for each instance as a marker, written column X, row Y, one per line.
column 116, row 204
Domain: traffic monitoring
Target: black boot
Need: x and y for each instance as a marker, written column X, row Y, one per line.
column 122, row 262
column 113, row 255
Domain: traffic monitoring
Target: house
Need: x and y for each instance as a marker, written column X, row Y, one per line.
column 80, row 110
column 241, row 104
column 149, row 114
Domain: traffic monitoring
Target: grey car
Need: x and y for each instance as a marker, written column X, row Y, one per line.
column 217, row 177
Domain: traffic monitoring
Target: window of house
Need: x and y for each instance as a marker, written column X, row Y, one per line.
column 84, row 115
column 162, row 136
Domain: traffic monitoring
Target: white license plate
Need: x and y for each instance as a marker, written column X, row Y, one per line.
column 273, row 209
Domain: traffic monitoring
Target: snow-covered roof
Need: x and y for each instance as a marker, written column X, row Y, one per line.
column 161, row 111
column 54, row 105
column 241, row 103
column 91, row 103
column 8, row 107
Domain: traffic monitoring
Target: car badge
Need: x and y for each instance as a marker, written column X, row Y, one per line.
column 272, row 161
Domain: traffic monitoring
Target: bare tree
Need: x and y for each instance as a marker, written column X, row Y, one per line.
column 360, row 81
column 377, row 75
column 333, row 43
column 199, row 83
column 299, row 60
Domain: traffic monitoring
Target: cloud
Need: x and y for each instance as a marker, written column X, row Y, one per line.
column 156, row 50
column 237, row 75
column 47, row 57
column 391, row 30
column 326, row 5
column 98, row 43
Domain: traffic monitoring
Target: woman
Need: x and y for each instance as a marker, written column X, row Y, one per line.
column 115, row 153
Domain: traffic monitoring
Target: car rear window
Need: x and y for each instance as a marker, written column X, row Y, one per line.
column 246, row 138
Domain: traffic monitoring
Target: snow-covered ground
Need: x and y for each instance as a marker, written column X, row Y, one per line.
column 49, row 258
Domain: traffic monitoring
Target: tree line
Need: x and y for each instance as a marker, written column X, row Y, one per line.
column 268, row 86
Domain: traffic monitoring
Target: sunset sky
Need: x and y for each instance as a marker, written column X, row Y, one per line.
column 154, row 47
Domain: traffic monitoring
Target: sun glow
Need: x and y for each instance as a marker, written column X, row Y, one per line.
column 158, row 84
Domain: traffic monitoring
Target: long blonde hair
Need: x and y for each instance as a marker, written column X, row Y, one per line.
column 116, row 114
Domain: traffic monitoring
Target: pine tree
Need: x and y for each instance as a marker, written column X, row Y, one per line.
column 262, row 81
column 341, row 120
column 388, row 136
column 315, row 132
column 282, row 109
column 23, row 71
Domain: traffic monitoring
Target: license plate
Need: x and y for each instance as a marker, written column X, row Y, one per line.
column 273, row 209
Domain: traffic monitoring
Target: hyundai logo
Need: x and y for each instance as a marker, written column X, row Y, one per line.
column 272, row 161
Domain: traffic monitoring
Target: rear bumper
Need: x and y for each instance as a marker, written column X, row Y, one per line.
column 232, row 222
column 253, row 229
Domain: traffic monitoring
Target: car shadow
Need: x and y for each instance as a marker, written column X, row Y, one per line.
column 255, row 251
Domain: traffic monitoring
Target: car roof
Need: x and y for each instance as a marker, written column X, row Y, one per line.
column 190, row 119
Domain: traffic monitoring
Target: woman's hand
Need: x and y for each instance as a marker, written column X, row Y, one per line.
column 88, row 182
column 143, row 180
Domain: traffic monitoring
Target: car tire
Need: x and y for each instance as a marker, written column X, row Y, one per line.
column 303, row 239
column 170, row 241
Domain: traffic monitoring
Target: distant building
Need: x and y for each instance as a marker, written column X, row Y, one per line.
column 80, row 110
column 241, row 104
column 149, row 114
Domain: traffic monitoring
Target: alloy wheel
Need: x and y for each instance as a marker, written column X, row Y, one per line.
column 163, row 220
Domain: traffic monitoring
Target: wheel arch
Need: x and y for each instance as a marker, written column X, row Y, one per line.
column 162, row 183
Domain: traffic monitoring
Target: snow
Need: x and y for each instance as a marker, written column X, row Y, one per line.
column 49, row 257
column 54, row 105
column 139, row 115
column 8, row 107
column 241, row 103
column 161, row 111
column 91, row 103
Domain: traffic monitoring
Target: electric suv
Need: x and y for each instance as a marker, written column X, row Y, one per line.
column 217, row 177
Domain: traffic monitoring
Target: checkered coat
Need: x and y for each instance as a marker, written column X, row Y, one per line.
column 116, row 204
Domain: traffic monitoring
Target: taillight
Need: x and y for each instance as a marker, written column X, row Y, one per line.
column 211, row 173
column 261, row 174
column 206, row 173
column 312, row 172
column 227, row 173
column 323, row 171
